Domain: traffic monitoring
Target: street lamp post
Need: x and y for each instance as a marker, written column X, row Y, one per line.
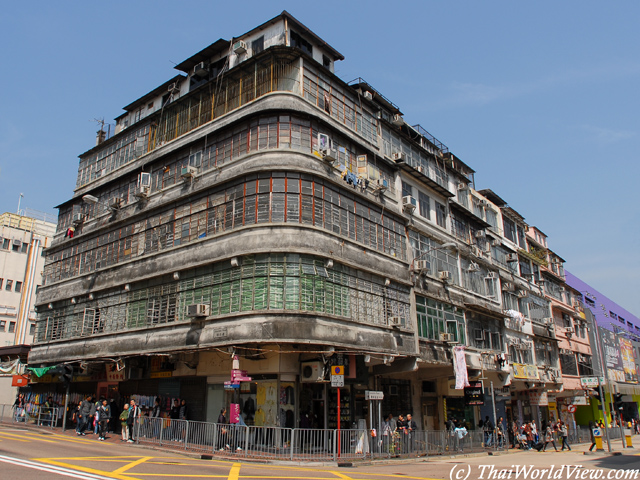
column 594, row 325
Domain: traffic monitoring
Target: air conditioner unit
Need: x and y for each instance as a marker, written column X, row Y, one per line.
column 115, row 203
column 492, row 275
column 576, row 304
column 483, row 203
column 512, row 257
column 144, row 179
column 397, row 120
column 201, row 69
column 239, row 47
column 311, row 372
column 569, row 330
column 188, row 172
column 395, row 321
column 481, row 233
column 399, row 157
column 448, row 337
column 423, row 265
column 548, row 320
column 523, row 294
column 328, row 155
column 381, row 185
column 473, row 267
column 78, row 218
column 496, row 242
column 198, row 310
column 477, row 252
column 420, row 168
column 368, row 95
column 142, row 191
column 444, row 275
column 17, row 242
column 463, row 186
column 409, row 204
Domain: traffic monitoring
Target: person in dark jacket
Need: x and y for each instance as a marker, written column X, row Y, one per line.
column 223, row 430
column 83, row 416
column 104, row 415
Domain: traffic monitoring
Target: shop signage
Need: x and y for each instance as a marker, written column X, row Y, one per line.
column 115, row 375
column 337, row 370
column 527, row 372
column 613, row 357
column 473, row 394
column 589, row 382
column 628, row 364
column 234, row 413
column 580, row 400
column 373, row 395
column 161, row 374
column 539, row 398
column 231, row 385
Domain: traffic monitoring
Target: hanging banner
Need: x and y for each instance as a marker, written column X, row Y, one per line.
column 460, row 367
column 527, row 372
column 613, row 358
column 628, row 364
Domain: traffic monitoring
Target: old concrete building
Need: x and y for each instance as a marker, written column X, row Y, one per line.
column 22, row 240
column 256, row 205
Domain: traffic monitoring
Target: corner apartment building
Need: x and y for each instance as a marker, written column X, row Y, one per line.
column 22, row 242
column 617, row 341
column 256, row 205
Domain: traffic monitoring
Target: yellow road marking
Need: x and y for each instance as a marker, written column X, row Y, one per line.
column 234, row 473
column 85, row 469
column 131, row 465
column 340, row 475
column 40, row 438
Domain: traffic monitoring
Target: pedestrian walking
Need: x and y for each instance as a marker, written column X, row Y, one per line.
column 564, row 434
column 104, row 415
column 132, row 421
column 549, row 438
column 124, row 417
column 84, row 415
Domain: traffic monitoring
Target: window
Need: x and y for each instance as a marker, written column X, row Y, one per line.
column 492, row 218
column 1, row 280
column 5, row 243
column 3, row 325
column 589, row 302
column 298, row 42
column 150, row 106
column 568, row 364
column 32, row 329
column 441, row 215
column 12, row 327
column 9, row 285
column 435, row 318
column 25, row 247
column 17, row 244
column 509, row 229
column 424, row 205
column 326, row 61
column 407, row 190
column 18, row 288
column 257, row 45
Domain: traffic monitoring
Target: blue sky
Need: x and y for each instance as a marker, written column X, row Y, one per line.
column 540, row 98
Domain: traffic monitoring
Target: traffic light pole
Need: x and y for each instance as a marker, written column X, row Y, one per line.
column 66, row 405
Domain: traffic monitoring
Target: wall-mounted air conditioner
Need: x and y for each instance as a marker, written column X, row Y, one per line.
column 395, row 321
column 492, row 275
column 463, row 186
column 448, row 337
column 523, row 294
column 397, row 120
column 381, row 185
column 569, row 331
column 423, row 265
column 507, row 286
column 444, row 275
column 409, row 204
column 481, row 233
column 239, row 47
column 512, row 257
column 198, row 310
column 399, row 157
column 368, row 95
column 311, row 372
column 78, row 218
column 188, row 172
column 421, row 169
column 201, row 69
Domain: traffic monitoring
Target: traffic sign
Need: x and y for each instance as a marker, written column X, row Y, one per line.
column 337, row 380
column 591, row 381
column 373, row 395
column 571, row 408
column 337, row 370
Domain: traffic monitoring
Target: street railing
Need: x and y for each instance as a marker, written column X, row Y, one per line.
column 293, row 444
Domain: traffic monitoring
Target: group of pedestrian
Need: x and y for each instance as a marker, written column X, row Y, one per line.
column 527, row 436
column 399, row 435
column 493, row 434
column 100, row 417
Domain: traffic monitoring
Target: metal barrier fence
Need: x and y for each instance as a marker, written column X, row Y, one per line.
column 35, row 414
column 293, row 444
